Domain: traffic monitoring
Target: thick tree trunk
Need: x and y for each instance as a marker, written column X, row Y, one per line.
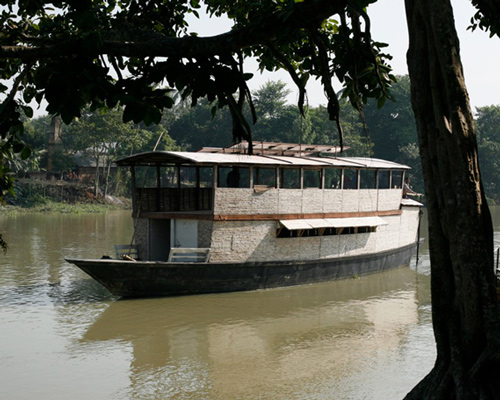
column 466, row 316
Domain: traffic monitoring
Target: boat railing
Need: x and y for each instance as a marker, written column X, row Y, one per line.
column 192, row 255
column 174, row 199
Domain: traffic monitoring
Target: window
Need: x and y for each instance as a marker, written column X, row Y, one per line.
column 350, row 179
column 397, row 179
column 333, row 178
column 168, row 175
column 192, row 176
column 233, row 177
column 366, row 229
column 383, row 179
column 367, row 179
column 206, row 177
column 312, row 178
column 264, row 176
column 283, row 232
column 188, row 176
column 290, row 178
column 286, row 233
column 145, row 177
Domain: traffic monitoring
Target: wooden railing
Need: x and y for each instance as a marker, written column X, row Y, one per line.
column 173, row 199
column 193, row 255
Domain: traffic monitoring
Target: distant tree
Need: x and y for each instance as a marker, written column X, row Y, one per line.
column 393, row 126
column 488, row 123
column 276, row 118
column 270, row 99
column 103, row 136
column 196, row 127
column 410, row 155
column 488, row 132
column 36, row 141
column 36, row 132
column 356, row 139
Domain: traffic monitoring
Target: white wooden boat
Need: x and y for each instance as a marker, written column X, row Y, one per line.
column 220, row 220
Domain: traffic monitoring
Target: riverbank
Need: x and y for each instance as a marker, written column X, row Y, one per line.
column 60, row 196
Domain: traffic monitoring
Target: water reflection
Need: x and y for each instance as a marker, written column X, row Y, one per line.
column 275, row 344
column 64, row 336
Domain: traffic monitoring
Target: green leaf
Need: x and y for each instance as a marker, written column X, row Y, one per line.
column 28, row 111
column 25, row 153
column 381, row 102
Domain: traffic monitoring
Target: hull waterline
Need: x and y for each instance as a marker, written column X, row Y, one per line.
column 153, row 279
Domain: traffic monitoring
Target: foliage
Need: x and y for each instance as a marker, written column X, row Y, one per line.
column 139, row 54
column 103, row 136
column 196, row 127
column 393, row 126
column 409, row 154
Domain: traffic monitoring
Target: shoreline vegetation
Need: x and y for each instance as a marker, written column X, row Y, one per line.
column 61, row 197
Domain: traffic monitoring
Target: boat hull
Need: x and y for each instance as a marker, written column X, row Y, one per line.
column 155, row 278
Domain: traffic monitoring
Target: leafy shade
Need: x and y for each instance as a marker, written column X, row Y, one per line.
column 136, row 53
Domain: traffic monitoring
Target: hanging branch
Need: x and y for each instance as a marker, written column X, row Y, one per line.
column 241, row 127
column 355, row 98
column 366, row 35
column 244, row 90
column 333, row 106
column 295, row 77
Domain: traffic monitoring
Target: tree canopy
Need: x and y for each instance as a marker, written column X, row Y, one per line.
column 136, row 52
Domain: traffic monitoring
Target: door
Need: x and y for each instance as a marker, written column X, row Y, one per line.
column 159, row 239
column 184, row 233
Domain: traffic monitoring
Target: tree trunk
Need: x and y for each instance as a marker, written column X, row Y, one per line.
column 97, row 175
column 466, row 316
column 108, row 172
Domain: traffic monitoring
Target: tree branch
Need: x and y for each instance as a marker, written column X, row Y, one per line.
column 130, row 43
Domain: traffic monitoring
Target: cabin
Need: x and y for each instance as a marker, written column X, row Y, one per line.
column 284, row 202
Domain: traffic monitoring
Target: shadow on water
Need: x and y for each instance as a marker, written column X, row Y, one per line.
column 131, row 318
column 295, row 337
column 81, row 291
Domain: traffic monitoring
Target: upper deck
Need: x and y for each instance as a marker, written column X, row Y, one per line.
column 223, row 184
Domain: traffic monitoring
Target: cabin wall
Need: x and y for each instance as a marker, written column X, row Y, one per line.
column 204, row 233
column 142, row 235
column 238, row 241
column 304, row 201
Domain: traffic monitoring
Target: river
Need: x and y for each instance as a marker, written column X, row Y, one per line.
column 63, row 336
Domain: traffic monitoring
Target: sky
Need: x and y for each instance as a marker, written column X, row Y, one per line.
column 480, row 54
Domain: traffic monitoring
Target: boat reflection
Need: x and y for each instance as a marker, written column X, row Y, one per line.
column 242, row 345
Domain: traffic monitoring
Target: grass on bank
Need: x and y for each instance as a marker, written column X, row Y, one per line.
column 37, row 203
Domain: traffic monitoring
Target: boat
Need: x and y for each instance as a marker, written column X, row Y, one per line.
column 222, row 220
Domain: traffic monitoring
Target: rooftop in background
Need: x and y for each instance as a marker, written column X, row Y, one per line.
column 275, row 149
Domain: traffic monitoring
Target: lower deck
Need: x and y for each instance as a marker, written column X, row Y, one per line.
column 240, row 241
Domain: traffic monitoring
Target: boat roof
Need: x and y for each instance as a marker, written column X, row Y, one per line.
column 275, row 148
column 320, row 157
